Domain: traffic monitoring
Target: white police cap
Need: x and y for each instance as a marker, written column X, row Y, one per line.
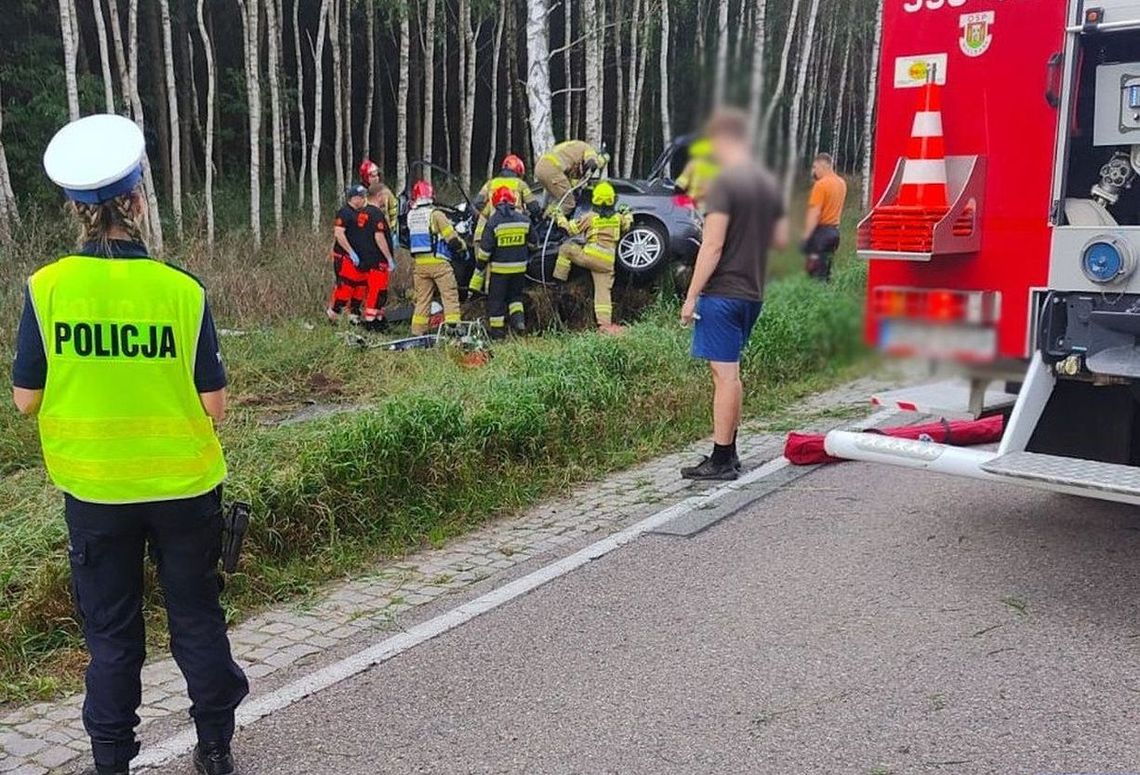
column 96, row 158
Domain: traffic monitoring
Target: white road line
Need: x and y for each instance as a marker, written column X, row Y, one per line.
column 279, row 699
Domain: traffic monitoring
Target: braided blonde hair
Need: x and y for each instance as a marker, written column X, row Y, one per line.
column 97, row 221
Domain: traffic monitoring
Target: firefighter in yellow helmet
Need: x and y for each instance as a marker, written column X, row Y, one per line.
column 511, row 177
column 602, row 226
column 699, row 173
column 563, row 167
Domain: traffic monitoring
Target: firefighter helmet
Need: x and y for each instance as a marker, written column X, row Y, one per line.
column 700, row 149
column 422, row 191
column 368, row 168
column 514, row 164
column 603, row 195
column 503, row 195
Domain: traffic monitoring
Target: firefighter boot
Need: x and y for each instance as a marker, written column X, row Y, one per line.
column 518, row 317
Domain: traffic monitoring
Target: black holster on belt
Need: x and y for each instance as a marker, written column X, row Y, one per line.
column 235, row 523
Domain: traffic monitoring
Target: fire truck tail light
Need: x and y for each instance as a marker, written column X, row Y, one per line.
column 939, row 306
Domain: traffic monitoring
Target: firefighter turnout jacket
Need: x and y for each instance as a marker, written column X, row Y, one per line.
column 505, row 241
column 571, row 157
column 602, row 229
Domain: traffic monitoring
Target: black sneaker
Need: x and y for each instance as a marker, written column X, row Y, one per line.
column 707, row 470
column 736, row 463
column 105, row 771
column 213, row 759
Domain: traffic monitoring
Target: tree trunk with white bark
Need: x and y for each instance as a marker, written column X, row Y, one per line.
column 104, row 55
column 756, row 78
column 838, row 107
column 595, row 54
column 370, row 85
column 153, row 214
column 9, row 211
column 402, row 98
column 663, row 67
column 273, row 38
column 346, row 30
column 68, row 32
column 301, row 122
column 251, row 14
column 334, row 22
column 869, row 103
column 493, row 142
column 318, row 109
column 798, row 99
column 782, row 79
column 175, row 123
column 538, row 75
column 467, row 89
column 211, row 87
column 720, row 84
column 429, row 85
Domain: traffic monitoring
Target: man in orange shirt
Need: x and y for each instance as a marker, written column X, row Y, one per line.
column 825, row 208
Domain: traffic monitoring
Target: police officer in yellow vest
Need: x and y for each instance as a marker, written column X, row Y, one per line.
column 118, row 357
column 603, row 227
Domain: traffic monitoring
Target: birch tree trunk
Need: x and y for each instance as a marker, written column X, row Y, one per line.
column 869, row 109
column 468, row 86
column 273, row 36
column 251, row 14
column 638, row 56
column 719, row 84
column 619, row 76
column 402, row 98
column 567, row 70
column 9, row 212
column 120, row 53
column 211, row 81
column 663, row 66
column 68, row 32
column 334, row 22
column 370, row 86
column 104, row 55
column 839, row 110
column 318, row 108
column 493, row 143
column 594, row 72
column 756, row 79
column 153, row 213
column 782, row 79
column 798, row 99
column 175, row 123
column 429, row 85
column 538, row 75
column 301, row 123
column 445, row 113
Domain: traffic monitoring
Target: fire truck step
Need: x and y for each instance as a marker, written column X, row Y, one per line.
column 1072, row 474
column 949, row 399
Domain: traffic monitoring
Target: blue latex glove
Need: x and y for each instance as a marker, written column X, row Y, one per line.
column 355, row 259
column 395, row 241
column 392, row 264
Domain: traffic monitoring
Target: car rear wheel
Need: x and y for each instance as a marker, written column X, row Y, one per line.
column 643, row 250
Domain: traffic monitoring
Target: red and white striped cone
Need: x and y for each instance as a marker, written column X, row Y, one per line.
column 924, row 173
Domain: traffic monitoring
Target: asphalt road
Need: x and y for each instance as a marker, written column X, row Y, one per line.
column 861, row 620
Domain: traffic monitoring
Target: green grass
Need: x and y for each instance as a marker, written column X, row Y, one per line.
column 433, row 449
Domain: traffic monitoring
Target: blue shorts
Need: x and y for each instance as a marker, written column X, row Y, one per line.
column 724, row 327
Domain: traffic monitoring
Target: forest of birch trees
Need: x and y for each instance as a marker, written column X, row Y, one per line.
column 275, row 102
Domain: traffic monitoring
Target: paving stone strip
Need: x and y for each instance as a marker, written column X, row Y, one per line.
column 49, row 737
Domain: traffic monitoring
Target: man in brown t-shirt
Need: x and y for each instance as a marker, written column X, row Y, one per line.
column 745, row 217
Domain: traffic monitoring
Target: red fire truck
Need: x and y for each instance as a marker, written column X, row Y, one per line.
column 1005, row 234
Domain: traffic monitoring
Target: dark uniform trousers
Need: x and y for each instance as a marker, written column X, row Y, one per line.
column 505, row 301
column 819, row 248
column 107, row 550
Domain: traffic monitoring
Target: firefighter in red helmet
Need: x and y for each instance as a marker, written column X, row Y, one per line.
column 370, row 173
column 433, row 243
column 505, row 250
column 510, row 176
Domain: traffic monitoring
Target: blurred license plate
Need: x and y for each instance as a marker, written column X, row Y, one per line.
column 959, row 343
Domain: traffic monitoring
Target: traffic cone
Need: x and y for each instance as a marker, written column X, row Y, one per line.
column 924, row 174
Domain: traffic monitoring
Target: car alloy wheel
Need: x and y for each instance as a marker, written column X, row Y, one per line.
column 641, row 249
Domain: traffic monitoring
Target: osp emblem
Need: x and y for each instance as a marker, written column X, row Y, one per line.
column 977, row 34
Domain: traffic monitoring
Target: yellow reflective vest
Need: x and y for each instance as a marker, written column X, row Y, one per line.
column 121, row 420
